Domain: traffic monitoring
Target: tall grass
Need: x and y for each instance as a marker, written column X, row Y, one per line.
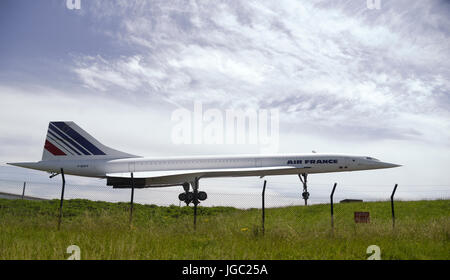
column 28, row 230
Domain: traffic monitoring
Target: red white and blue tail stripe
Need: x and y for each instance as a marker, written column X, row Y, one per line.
column 67, row 140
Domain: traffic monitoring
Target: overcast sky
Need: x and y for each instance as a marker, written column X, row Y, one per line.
column 345, row 79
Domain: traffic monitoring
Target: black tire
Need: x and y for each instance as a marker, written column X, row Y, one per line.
column 182, row 196
column 305, row 195
column 189, row 197
column 202, row 196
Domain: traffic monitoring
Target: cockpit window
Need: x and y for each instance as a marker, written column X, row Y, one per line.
column 371, row 158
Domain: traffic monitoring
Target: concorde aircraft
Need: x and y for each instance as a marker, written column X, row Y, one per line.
column 70, row 150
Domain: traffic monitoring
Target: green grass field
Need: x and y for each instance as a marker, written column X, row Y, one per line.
column 28, row 230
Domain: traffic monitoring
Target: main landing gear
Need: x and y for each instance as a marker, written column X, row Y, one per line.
column 195, row 197
column 192, row 197
column 304, row 178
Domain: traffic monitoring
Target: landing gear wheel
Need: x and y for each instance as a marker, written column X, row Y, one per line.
column 182, row 196
column 189, row 197
column 305, row 195
column 202, row 196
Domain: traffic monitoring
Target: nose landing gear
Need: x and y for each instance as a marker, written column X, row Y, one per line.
column 304, row 178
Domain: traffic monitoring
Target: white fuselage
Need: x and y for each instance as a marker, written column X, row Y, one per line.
column 302, row 163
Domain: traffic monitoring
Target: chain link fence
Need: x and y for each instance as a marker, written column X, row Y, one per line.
column 221, row 193
column 340, row 217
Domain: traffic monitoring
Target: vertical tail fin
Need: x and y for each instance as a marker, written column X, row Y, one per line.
column 66, row 140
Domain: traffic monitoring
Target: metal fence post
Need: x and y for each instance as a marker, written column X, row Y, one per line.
column 23, row 191
column 392, row 205
column 132, row 198
column 62, row 198
column 331, row 204
column 195, row 201
column 263, row 206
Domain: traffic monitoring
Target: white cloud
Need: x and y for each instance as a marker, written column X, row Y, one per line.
column 258, row 48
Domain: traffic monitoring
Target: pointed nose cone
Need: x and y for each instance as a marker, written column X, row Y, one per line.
column 389, row 165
